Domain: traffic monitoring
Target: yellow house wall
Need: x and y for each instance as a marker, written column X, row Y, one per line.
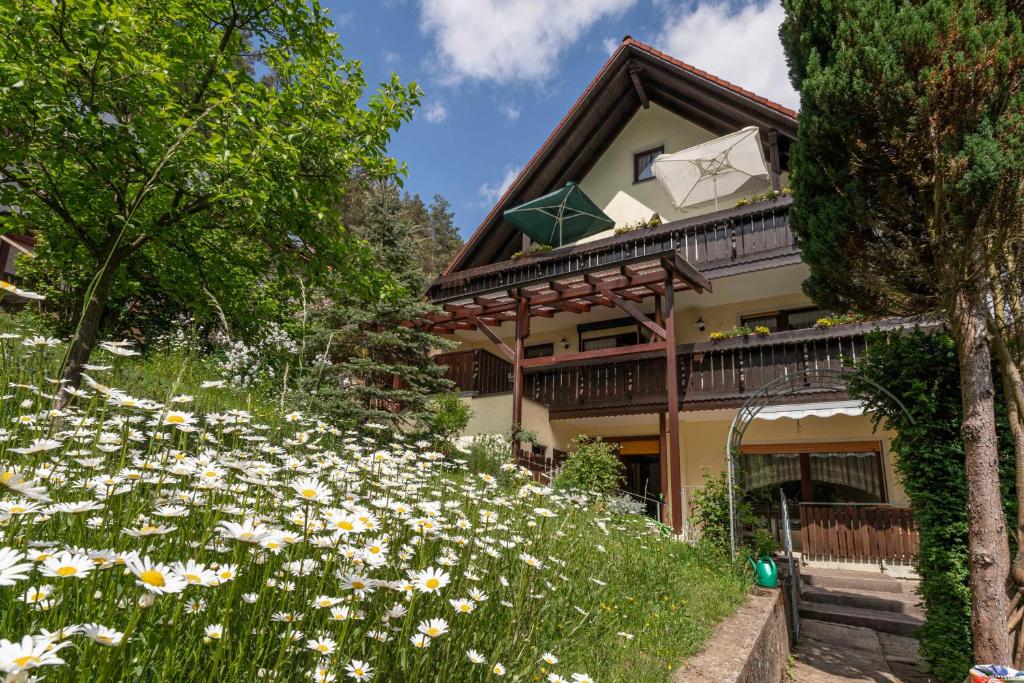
column 703, row 442
column 493, row 415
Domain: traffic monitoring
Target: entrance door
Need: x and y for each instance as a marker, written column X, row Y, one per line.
column 642, row 470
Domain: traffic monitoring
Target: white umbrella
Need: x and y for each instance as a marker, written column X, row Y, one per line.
column 712, row 169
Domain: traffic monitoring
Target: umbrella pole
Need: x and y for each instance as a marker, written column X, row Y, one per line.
column 714, row 183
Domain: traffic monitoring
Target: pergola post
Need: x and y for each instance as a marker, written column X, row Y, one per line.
column 674, row 484
column 522, row 332
column 659, row 317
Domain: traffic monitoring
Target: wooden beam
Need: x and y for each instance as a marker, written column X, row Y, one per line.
column 663, row 462
column 774, row 159
column 632, row 296
column 598, row 356
column 635, row 313
column 495, row 339
column 634, row 75
column 522, row 332
column 462, row 308
column 686, row 272
column 574, row 306
column 601, row 300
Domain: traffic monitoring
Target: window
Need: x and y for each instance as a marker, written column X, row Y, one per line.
column 609, row 342
column 819, row 472
column 539, row 350
column 642, row 162
column 789, row 319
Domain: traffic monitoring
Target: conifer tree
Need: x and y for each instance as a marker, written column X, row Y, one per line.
column 907, row 177
column 366, row 363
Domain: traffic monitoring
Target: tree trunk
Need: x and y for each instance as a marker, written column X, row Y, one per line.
column 89, row 326
column 988, row 546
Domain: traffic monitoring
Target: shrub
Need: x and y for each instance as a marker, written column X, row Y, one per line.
column 593, row 465
column 486, row 453
column 711, row 511
column 448, row 415
column 625, row 504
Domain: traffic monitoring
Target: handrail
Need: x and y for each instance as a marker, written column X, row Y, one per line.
column 852, row 505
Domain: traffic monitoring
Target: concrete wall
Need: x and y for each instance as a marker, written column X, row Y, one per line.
column 751, row 646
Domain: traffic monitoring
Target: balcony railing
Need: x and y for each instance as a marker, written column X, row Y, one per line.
column 711, row 374
column 723, row 243
column 477, row 371
column 874, row 533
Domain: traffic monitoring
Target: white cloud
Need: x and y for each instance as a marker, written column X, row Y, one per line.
column 510, row 111
column 740, row 45
column 435, row 112
column 391, row 57
column 491, row 192
column 508, row 40
column 610, row 45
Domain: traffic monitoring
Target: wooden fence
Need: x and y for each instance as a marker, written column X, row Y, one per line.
column 859, row 532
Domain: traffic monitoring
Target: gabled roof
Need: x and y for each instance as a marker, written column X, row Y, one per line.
column 635, row 75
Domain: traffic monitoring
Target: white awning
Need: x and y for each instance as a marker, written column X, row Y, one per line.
column 797, row 411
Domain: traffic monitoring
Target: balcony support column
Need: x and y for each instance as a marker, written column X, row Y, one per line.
column 672, row 459
column 522, row 332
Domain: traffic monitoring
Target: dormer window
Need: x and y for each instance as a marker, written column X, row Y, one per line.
column 643, row 162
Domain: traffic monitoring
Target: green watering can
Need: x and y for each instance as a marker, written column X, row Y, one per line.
column 766, row 572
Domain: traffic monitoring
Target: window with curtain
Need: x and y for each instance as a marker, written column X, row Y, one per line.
column 814, row 474
column 643, row 161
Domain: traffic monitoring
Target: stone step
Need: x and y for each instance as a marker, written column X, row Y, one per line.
column 882, row 601
column 837, row 579
column 882, row 621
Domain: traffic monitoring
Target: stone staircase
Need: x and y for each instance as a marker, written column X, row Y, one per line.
column 864, row 599
column 858, row 626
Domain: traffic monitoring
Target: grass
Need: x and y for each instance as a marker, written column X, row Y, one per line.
column 329, row 574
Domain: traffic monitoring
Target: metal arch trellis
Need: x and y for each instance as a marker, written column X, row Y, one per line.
column 810, row 381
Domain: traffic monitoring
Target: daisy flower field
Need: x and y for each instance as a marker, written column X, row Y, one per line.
column 198, row 534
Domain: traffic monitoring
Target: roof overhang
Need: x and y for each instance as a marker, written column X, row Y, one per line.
column 635, row 75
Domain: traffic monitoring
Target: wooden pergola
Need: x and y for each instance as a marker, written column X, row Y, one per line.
column 576, row 288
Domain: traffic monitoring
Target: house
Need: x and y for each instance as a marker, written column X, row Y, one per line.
column 611, row 335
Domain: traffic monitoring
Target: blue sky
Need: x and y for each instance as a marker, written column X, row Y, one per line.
column 499, row 74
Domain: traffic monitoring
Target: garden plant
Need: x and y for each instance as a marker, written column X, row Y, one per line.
column 196, row 534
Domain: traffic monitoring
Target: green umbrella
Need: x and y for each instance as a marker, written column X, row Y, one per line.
column 563, row 215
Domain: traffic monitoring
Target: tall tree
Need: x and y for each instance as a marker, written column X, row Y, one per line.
column 149, row 130
column 366, row 363
column 907, row 162
column 444, row 236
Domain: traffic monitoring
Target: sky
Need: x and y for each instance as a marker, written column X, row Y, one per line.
column 498, row 75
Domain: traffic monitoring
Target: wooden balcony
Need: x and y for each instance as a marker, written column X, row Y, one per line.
column 719, row 244
column 477, row 372
column 711, row 374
